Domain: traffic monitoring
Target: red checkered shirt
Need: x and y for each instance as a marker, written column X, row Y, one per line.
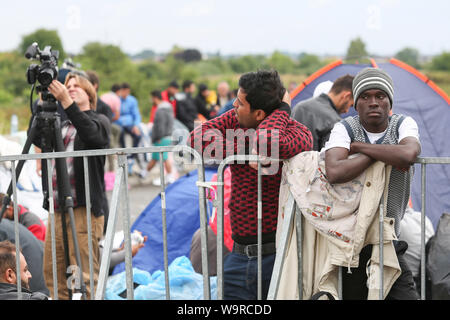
column 292, row 138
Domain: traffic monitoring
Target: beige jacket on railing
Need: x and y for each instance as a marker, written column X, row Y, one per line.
column 328, row 246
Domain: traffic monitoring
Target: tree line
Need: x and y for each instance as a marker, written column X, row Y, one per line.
column 149, row 71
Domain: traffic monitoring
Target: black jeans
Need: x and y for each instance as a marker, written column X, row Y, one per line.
column 135, row 138
column 354, row 285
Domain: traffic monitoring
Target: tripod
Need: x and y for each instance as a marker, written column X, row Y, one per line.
column 45, row 131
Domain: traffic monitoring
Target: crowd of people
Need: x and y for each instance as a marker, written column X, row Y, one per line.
column 93, row 121
column 262, row 108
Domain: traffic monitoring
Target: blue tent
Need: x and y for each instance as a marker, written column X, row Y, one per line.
column 182, row 217
column 417, row 96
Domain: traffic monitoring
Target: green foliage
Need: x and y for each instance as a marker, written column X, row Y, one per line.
column 106, row 59
column 441, row 62
column 173, row 67
column 309, row 63
column 5, row 97
column 151, row 69
column 280, row 62
column 13, row 69
column 148, row 71
column 212, row 66
column 248, row 63
column 44, row 38
column 409, row 56
column 356, row 51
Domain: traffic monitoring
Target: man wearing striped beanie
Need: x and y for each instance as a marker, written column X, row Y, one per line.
column 373, row 78
column 376, row 135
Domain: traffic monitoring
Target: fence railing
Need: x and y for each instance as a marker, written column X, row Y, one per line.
column 288, row 227
column 120, row 197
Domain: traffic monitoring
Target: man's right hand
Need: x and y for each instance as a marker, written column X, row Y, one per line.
column 136, row 130
column 286, row 97
column 60, row 92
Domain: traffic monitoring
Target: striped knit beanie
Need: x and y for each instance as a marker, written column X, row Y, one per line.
column 372, row 78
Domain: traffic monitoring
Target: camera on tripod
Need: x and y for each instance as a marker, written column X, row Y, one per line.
column 44, row 73
column 48, row 70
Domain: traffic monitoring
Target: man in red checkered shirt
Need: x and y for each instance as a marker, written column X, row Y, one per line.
column 260, row 124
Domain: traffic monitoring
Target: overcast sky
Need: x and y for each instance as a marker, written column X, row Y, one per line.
column 235, row 26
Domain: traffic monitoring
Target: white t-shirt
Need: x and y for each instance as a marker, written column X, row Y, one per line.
column 339, row 136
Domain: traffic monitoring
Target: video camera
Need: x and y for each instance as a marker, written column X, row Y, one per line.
column 48, row 70
column 44, row 74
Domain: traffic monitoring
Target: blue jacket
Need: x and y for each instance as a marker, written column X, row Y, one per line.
column 129, row 112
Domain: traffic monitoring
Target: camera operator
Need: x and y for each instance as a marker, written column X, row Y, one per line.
column 85, row 129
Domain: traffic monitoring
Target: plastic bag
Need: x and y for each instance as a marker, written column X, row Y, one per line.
column 184, row 283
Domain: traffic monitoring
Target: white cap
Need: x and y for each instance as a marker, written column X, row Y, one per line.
column 323, row 87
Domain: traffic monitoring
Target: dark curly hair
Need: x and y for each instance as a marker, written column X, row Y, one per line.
column 263, row 88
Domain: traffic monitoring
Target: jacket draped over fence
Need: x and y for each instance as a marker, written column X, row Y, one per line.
column 338, row 221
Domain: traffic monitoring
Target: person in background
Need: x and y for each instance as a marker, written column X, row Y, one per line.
column 28, row 219
column 161, row 135
column 129, row 121
column 229, row 105
column 32, row 249
column 169, row 95
column 118, row 255
column 204, row 108
column 320, row 114
column 186, row 109
column 8, row 275
column 112, row 99
column 102, row 107
column 223, row 93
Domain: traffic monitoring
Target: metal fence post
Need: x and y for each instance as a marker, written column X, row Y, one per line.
column 123, row 163
column 381, row 239
column 52, row 226
column 16, row 231
column 422, row 235
column 259, row 232
column 110, row 229
column 164, row 225
column 89, row 224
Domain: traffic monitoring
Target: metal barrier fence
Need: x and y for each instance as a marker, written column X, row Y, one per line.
column 288, row 228
column 120, row 196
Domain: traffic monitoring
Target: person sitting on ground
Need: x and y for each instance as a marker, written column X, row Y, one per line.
column 28, row 219
column 9, row 275
column 118, row 255
column 161, row 135
column 32, row 249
